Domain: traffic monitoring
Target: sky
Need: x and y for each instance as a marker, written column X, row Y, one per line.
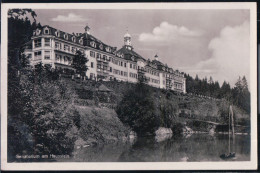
column 204, row 42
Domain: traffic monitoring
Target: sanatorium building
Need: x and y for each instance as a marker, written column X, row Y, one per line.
column 57, row 48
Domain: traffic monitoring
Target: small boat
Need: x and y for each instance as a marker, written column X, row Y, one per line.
column 230, row 155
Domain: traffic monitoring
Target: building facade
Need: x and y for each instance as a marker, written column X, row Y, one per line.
column 57, row 48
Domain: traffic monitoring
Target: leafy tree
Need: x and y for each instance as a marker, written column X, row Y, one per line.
column 137, row 109
column 79, row 63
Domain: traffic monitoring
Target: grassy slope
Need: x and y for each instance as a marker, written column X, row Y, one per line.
column 102, row 124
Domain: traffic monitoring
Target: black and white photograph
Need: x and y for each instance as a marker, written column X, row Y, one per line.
column 128, row 86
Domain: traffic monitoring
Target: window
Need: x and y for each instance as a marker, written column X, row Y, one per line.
column 104, row 57
column 57, row 45
column 121, row 63
column 37, row 55
column 46, row 31
column 57, row 57
column 81, row 41
column 38, row 31
column 125, row 64
column 57, row 33
column 92, row 54
column 101, row 46
column 37, row 43
column 98, row 55
column 74, row 39
column 47, row 42
column 125, row 73
column 66, row 47
column 130, row 65
column 92, row 64
column 47, row 55
column 110, row 69
column 66, row 36
column 73, row 49
column 121, row 73
column 93, row 44
column 108, row 49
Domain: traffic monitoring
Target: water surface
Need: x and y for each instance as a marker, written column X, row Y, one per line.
column 189, row 148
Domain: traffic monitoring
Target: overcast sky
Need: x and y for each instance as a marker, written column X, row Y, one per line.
column 204, row 42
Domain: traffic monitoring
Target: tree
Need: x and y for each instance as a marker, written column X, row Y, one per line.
column 137, row 109
column 241, row 94
column 79, row 63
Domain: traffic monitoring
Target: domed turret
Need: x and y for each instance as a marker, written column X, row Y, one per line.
column 127, row 35
column 127, row 39
column 87, row 29
column 156, row 57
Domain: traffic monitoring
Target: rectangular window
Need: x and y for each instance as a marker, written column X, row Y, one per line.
column 37, row 43
column 104, row 57
column 66, row 47
column 47, row 55
column 125, row 73
column 92, row 54
column 98, row 55
column 121, row 63
column 73, row 50
column 110, row 69
column 47, row 42
column 125, row 64
column 38, row 55
column 92, row 64
column 130, row 65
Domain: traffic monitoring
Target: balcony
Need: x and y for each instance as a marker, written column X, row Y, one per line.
column 141, row 71
column 64, row 51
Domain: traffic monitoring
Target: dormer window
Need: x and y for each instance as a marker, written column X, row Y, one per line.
column 74, row 39
column 101, row 46
column 46, row 31
column 57, row 33
column 93, row 44
column 38, row 31
column 108, row 49
column 66, row 36
column 81, row 41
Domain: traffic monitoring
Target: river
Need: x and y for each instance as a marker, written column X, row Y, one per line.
column 188, row 148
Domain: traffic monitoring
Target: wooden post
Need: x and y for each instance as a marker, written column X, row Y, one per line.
column 232, row 120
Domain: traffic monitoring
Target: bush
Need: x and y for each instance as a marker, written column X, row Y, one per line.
column 137, row 109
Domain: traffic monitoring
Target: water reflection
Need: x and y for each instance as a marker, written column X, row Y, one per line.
column 195, row 147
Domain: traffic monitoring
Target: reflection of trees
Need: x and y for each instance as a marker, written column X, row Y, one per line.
column 201, row 147
column 198, row 147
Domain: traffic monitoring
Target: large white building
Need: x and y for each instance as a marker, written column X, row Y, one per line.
column 57, row 48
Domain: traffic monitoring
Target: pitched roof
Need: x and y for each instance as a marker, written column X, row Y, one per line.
column 87, row 38
column 128, row 54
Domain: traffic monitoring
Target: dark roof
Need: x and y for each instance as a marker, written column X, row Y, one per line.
column 87, row 38
column 128, row 54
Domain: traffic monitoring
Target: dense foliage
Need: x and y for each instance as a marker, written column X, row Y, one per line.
column 239, row 95
column 41, row 115
column 79, row 63
column 145, row 109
